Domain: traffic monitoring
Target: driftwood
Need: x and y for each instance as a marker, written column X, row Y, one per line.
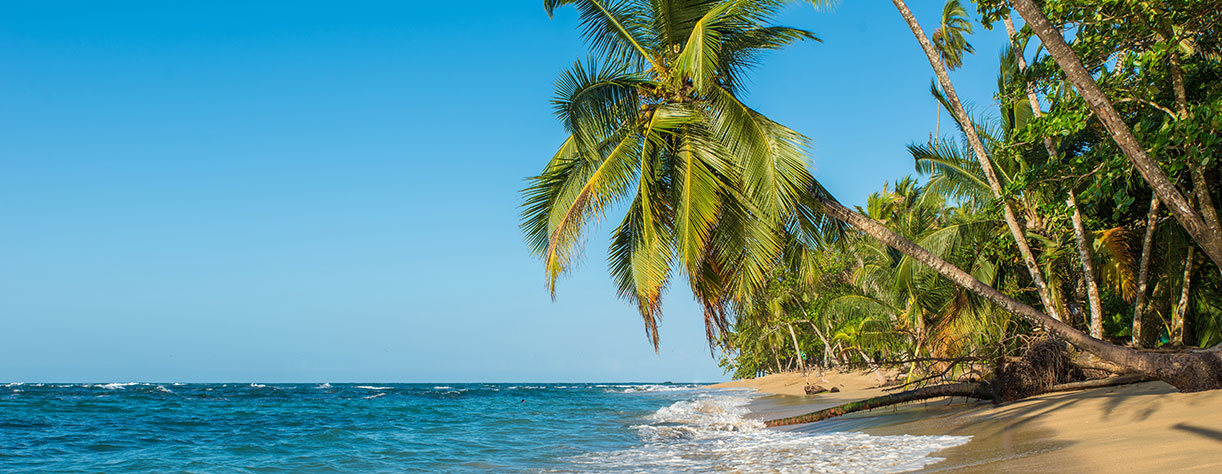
column 977, row 390
column 1044, row 367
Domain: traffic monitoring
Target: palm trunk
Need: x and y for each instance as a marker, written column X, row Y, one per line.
column 1088, row 269
column 796, row 351
column 986, row 163
column 1143, row 272
column 1189, row 372
column 1084, row 253
column 1209, row 240
column 1181, row 309
column 937, row 125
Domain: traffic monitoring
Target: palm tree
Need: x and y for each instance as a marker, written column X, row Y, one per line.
column 950, row 40
column 1206, row 234
column 712, row 188
column 893, row 291
column 716, row 189
column 1084, row 253
column 1188, row 371
column 982, row 156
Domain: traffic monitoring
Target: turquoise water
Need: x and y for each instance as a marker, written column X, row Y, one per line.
column 393, row 428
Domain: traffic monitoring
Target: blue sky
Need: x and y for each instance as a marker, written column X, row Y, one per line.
column 321, row 191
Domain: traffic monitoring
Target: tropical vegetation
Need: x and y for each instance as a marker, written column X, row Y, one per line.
column 1081, row 208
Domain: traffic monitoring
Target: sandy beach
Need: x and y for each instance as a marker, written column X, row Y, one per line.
column 1146, row 427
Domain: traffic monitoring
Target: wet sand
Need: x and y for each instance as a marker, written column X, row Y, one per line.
column 1147, row 427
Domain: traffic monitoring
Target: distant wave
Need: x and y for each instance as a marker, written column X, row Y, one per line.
column 324, row 386
column 114, row 385
column 383, row 394
column 370, row 387
column 443, row 387
column 638, row 388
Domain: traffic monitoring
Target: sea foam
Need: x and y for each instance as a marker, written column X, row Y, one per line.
column 713, row 433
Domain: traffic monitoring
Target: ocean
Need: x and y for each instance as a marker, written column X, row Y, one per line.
column 396, row 428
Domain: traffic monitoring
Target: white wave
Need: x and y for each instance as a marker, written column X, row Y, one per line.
column 114, row 385
column 13, row 384
column 383, row 394
column 656, row 388
column 711, row 434
column 324, row 386
column 257, row 385
column 161, row 388
column 371, row 387
column 443, row 387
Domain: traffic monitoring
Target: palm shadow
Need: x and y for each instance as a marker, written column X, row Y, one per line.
column 1206, row 432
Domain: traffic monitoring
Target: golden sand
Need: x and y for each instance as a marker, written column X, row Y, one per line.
column 1147, row 427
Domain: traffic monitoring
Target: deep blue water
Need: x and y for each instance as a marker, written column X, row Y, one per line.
column 385, row 428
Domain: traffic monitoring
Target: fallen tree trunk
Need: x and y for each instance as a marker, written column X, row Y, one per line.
column 978, row 390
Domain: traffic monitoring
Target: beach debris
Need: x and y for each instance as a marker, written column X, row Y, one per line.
column 976, row 390
column 817, row 389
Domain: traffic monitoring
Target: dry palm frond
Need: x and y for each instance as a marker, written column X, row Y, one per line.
column 1119, row 270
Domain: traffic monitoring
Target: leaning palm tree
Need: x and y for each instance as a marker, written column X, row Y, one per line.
column 710, row 188
column 977, row 146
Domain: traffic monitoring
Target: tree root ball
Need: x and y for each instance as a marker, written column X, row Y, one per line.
column 1044, row 364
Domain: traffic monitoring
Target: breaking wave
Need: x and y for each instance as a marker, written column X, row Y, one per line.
column 712, row 433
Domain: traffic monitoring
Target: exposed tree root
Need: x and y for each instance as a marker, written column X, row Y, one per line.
column 1099, row 383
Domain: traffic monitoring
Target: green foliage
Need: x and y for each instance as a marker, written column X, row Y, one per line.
column 710, row 188
column 877, row 304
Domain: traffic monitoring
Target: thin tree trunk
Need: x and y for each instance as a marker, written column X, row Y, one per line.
column 796, row 351
column 1054, row 43
column 1143, row 272
column 937, row 125
column 1084, row 254
column 963, row 389
column 1189, row 372
column 1181, row 308
column 827, row 348
column 1200, row 187
column 1088, row 269
column 986, row 163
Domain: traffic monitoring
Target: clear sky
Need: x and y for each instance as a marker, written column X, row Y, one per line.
column 328, row 191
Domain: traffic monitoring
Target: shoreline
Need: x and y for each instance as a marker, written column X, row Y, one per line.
column 1145, row 427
